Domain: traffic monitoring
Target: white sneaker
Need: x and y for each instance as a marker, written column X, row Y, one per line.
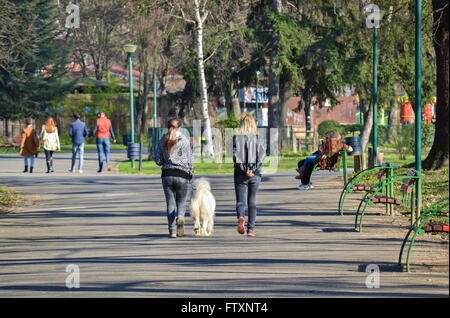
column 80, row 171
column 71, row 171
column 310, row 186
column 303, row 187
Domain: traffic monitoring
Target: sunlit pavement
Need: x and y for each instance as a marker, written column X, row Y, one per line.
column 108, row 232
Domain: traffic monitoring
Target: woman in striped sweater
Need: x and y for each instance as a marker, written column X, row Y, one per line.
column 174, row 154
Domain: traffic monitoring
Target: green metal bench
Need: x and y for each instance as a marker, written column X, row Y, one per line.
column 385, row 170
column 422, row 220
column 372, row 197
column 342, row 154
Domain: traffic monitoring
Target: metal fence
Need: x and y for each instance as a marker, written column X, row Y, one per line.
column 222, row 138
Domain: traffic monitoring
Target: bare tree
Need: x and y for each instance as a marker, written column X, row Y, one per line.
column 154, row 25
column 102, row 26
column 195, row 13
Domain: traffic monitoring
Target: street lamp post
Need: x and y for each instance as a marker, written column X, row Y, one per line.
column 418, row 102
column 130, row 49
column 375, row 95
column 257, row 80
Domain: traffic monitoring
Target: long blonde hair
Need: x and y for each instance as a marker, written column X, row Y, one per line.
column 170, row 140
column 50, row 125
column 248, row 125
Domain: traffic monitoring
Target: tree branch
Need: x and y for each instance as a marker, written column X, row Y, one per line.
column 215, row 50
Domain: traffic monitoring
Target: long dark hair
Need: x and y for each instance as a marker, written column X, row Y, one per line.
column 170, row 140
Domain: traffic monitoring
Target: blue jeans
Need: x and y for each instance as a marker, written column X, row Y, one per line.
column 308, row 166
column 25, row 159
column 175, row 191
column 103, row 146
column 246, row 189
column 77, row 148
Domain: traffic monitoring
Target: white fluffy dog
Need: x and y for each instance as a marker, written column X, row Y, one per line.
column 203, row 205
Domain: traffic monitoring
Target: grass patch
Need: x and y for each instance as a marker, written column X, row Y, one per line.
column 202, row 167
column 287, row 162
column 7, row 198
column 68, row 148
column 435, row 186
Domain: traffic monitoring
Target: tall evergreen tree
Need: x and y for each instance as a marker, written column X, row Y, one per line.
column 304, row 50
column 33, row 66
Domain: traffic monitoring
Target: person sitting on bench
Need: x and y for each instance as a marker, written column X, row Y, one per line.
column 332, row 144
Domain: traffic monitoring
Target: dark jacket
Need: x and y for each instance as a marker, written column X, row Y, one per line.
column 78, row 131
column 248, row 154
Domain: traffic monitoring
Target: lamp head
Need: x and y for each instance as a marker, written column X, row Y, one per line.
column 129, row 48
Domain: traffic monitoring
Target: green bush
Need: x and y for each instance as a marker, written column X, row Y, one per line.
column 330, row 125
column 382, row 134
column 401, row 141
column 352, row 129
column 405, row 141
column 229, row 122
column 65, row 139
column 428, row 131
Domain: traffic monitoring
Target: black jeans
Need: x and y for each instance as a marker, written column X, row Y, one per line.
column 48, row 155
column 175, row 191
column 246, row 189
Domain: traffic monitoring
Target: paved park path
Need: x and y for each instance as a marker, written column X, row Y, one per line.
column 114, row 229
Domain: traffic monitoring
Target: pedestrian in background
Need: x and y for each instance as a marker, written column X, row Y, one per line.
column 174, row 154
column 78, row 132
column 103, row 131
column 50, row 140
column 248, row 155
column 29, row 147
column 326, row 157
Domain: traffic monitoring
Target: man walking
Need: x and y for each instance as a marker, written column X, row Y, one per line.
column 78, row 131
column 103, row 131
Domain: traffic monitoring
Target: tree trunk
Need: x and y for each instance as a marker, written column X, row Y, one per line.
column 392, row 124
column 307, row 109
column 274, row 79
column 236, row 107
column 144, row 119
column 82, row 62
column 285, row 94
column 7, row 128
column 438, row 156
column 142, row 107
column 367, row 129
column 97, row 66
column 208, row 150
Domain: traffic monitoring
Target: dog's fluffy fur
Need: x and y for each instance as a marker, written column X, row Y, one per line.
column 203, row 205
